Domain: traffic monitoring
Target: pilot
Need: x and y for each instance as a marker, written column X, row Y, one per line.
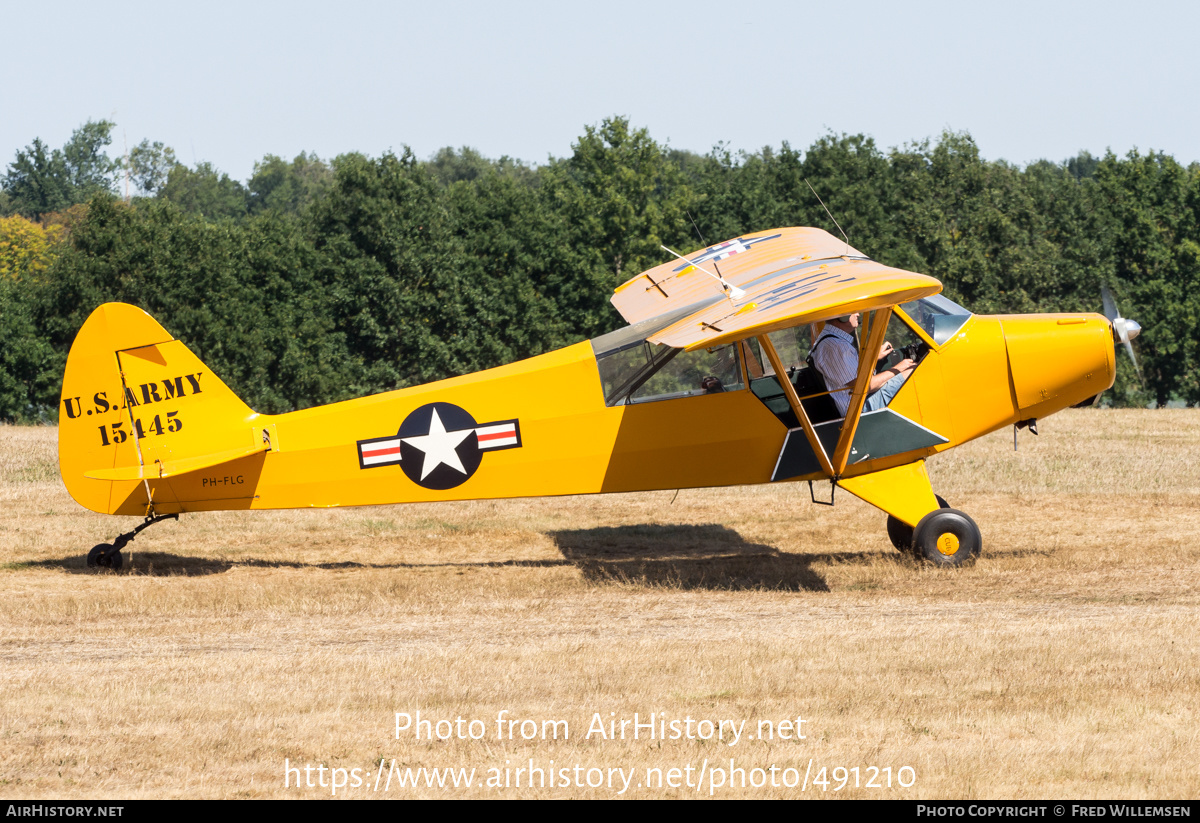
column 835, row 354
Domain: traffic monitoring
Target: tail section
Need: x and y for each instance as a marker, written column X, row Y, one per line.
column 139, row 412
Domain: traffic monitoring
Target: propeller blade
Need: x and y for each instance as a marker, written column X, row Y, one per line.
column 1124, row 329
column 1110, row 308
column 1136, row 367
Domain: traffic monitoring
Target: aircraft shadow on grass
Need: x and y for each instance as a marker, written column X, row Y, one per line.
column 165, row 564
column 707, row 556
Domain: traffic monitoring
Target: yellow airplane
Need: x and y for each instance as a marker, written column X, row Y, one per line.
column 700, row 389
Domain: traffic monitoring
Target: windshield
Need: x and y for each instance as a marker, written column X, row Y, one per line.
column 939, row 316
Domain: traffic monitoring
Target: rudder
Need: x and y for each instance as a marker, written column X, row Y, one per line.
column 136, row 406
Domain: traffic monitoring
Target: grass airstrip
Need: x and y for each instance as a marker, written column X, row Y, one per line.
column 236, row 646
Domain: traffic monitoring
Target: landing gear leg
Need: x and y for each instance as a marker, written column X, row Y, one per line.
column 108, row 555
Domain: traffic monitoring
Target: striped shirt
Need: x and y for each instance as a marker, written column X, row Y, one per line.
column 837, row 360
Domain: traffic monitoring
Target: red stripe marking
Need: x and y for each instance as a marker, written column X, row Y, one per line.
column 368, row 452
column 498, row 435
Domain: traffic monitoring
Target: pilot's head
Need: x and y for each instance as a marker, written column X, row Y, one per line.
column 847, row 322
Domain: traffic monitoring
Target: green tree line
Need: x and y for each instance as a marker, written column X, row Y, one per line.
column 317, row 280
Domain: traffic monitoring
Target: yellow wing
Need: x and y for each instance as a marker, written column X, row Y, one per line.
column 788, row 276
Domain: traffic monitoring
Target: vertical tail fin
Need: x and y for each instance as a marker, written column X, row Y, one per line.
column 137, row 407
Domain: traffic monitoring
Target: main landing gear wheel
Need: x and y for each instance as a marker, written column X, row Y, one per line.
column 901, row 534
column 104, row 556
column 947, row 537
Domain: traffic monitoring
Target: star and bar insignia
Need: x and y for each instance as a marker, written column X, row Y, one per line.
column 722, row 250
column 439, row 445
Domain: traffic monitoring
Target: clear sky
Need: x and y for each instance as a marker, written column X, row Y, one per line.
column 229, row 82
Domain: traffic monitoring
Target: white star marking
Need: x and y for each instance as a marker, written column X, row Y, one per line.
column 439, row 446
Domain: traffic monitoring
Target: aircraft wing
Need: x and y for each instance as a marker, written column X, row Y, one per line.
column 789, row 276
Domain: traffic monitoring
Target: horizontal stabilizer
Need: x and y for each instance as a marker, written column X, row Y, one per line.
column 157, row 469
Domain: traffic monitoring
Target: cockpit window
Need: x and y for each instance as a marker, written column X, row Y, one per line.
column 791, row 344
column 643, row 372
column 939, row 316
column 704, row 371
column 619, row 369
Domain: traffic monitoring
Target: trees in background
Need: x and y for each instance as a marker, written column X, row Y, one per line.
column 41, row 180
column 27, row 249
column 1151, row 222
column 619, row 199
column 150, row 166
column 288, row 188
column 317, row 281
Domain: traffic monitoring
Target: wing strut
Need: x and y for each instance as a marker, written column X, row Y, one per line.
column 878, row 321
column 789, row 391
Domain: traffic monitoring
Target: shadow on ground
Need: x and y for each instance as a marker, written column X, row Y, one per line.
column 164, row 564
column 685, row 556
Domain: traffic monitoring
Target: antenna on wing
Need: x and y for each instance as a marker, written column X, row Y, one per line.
column 125, row 140
column 827, row 211
column 694, row 226
column 731, row 291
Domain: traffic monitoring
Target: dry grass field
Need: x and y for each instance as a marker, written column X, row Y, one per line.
column 1066, row 663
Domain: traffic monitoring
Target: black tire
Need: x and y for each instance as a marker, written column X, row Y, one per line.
column 947, row 537
column 103, row 556
column 901, row 534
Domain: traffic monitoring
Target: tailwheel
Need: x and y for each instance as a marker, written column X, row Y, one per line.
column 901, row 534
column 947, row 537
column 108, row 555
column 104, row 556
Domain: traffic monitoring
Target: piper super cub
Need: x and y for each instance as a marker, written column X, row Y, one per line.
column 710, row 384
